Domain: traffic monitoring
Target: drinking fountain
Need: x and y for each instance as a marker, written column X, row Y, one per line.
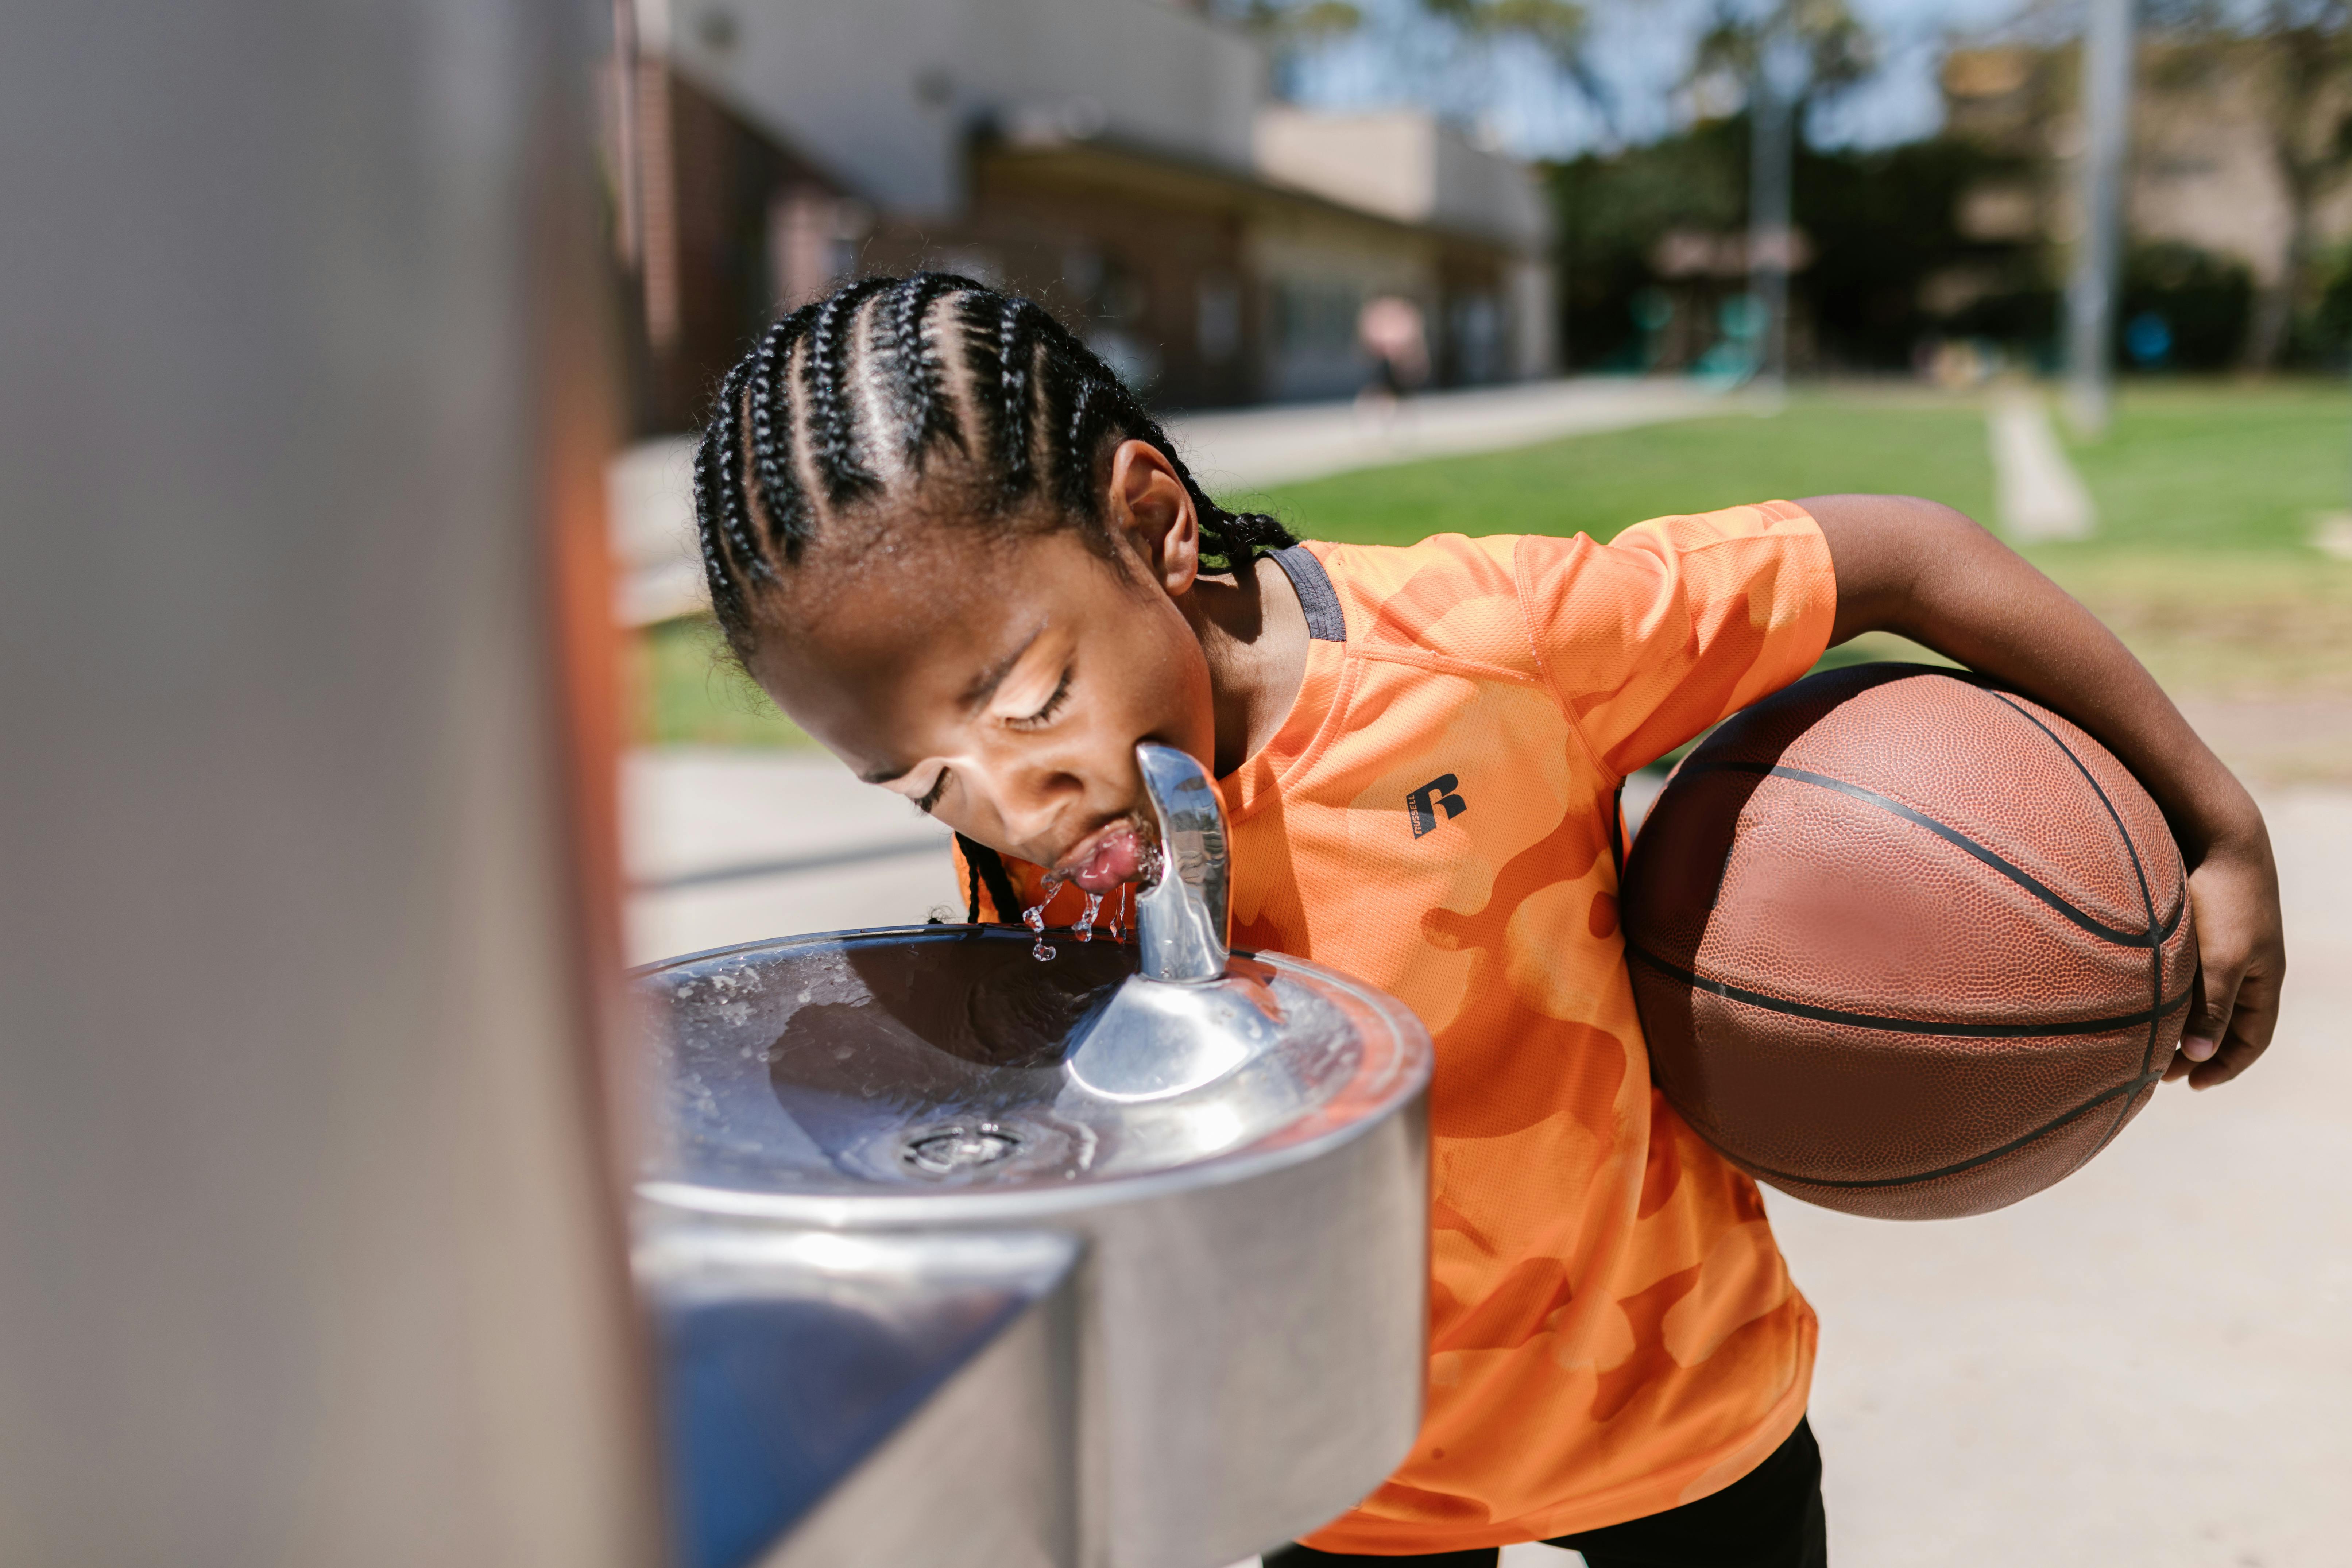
column 953, row 1255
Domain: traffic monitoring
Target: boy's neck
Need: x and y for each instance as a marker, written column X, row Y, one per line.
column 1253, row 631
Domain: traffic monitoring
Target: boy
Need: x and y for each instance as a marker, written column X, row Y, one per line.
column 952, row 547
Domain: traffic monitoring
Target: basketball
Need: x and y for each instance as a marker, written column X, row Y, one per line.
column 1907, row 945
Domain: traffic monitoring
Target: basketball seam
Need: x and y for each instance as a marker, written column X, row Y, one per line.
column 2147, row 903
column 2128, row 1089
column 1959, row 840
column 1906, row 1026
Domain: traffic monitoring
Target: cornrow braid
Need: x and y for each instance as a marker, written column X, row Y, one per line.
column 1018, row 330
column 1083, row 427
column 768, row 418
column 1228, row 539
column 1242, row 537
column 727, row 546
column 921, row 378
column 988, row 871
column 1027, row 408
column 833, row 413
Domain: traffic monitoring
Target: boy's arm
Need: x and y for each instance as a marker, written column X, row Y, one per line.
column 1925, row 570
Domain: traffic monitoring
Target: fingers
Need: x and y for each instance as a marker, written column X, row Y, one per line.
column 2178, row 1068
column 2251, row 1021
column 2212, row 1001
column 2241, row 961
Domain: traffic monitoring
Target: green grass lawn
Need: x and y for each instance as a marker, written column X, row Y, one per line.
column 2212, row 466
column 690, row 692
column 1603, row 484
column 2208, row 494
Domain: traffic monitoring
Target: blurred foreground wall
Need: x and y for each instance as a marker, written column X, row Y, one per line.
column 307, row 1247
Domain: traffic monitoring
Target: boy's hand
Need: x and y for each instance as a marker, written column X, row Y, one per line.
column 1924, row 571
column 2240, row 958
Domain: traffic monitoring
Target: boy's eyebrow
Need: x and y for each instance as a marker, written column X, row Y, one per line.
column 983, row 686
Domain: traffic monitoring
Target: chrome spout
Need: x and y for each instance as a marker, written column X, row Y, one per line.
column 1181, row 919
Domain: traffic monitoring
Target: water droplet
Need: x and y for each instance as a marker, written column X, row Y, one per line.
column 1084, row 929
column 950, row 1150
column 1033, row 917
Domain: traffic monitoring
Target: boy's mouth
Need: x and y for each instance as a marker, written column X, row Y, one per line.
column 1106, row 857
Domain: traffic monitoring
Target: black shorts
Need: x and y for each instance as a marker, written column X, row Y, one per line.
column 1769, row 1517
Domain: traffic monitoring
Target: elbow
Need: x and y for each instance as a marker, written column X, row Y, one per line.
column 1895, row 557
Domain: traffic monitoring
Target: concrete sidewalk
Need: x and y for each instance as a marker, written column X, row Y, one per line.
column 734, row 846
column 1250, row 447
column 650, row 487
column 2146, row 1364
column 2037, row 492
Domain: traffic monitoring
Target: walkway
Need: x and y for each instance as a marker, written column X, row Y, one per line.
column 2036, row 491
column 733, row 845
column 1247, row 448
column 651, row 485
column 2145, row 1364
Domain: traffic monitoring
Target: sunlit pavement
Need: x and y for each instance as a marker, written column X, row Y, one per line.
column 738, row 845
column 1251, row 446
column 1233, row 452
column 2148, row 1365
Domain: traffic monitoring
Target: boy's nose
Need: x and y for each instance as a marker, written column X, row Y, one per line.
column 1036, row 801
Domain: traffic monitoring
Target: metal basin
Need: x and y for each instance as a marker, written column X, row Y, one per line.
column 1145, row 1261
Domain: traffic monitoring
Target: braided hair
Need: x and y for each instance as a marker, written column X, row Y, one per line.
column 861, row 393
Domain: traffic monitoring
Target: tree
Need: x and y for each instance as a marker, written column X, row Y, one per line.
column 1785, row 52
column 1557, row 28
column 2294, row 58
column 1835, row 49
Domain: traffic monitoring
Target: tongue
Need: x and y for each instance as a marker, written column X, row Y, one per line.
column 1118, row 859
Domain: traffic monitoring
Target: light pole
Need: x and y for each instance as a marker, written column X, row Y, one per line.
column 1771, row 114
column 2108, row 60
column 1772, row 149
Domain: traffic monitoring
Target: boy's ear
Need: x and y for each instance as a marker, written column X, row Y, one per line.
column 1150, row 508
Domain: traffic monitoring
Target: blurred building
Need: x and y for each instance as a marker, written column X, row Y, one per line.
column 2207, row 191
column 1119, row 160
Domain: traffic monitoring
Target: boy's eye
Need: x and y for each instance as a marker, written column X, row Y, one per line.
column 932, row 796
column 1053, row 705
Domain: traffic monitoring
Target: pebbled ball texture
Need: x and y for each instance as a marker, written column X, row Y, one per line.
column 1905, row 944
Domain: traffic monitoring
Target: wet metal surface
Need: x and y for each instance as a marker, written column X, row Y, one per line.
column 949, row 1057
column 1237, row 1168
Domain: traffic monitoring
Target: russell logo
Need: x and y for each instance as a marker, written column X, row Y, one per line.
column 1422, row 804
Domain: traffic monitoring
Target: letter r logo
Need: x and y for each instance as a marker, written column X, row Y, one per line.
column 1422, row 804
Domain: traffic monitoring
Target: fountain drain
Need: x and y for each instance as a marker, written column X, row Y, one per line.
column 951, row 1151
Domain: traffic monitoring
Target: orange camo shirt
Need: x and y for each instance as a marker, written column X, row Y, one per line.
column 1612, row 1331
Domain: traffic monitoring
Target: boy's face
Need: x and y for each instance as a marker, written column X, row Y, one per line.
column 1004, row 682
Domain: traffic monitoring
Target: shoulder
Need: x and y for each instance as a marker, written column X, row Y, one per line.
column 1449, row 595
column 1776, row 524
column 1687, row 564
